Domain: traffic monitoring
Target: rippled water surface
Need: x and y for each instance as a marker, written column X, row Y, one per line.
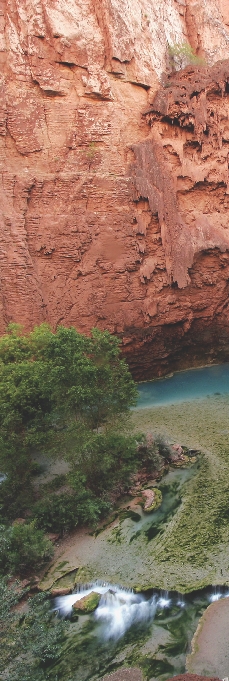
column 185, row 386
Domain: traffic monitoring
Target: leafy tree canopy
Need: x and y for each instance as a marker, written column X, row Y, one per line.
column 50, row 381
column 31, row 639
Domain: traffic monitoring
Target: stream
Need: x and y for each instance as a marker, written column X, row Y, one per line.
column 176, row 545
column 185, row 386
column 151, row 630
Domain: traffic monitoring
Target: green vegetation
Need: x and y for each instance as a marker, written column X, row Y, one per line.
column 63, row 512
column 192, row 551
column 23, row 548
column 65, row 395
column 31, row 637
column 181, row 55
column 57, row 391
column 156, row 503
column 153, row 451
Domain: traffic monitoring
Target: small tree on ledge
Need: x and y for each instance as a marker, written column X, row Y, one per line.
column 181, row 55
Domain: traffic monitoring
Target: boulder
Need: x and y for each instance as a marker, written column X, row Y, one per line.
column 177, row 451
column 61, row 592
column 88, row 603
column 153, row 499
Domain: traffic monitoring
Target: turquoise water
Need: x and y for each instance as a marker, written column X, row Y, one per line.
column 185, row 386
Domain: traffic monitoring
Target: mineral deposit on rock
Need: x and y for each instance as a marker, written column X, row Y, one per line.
column 114, row 174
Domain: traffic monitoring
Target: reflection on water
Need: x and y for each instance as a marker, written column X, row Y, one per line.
column 184, row 386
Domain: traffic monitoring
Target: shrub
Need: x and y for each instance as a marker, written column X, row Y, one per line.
column 181, row 55
column 23, row 548
column 106, row 460
column 32, row 639
column 63, row 512
column 15, row 497
column 153, row 451
column 49, row 381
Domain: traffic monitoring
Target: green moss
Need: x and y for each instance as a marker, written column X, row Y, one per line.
column 128, row 513
column 60, row 566
column 186, row 544
column 194, row 546
column 116, row 536
column 157, row 501
column 67, row 581
column 88, row 603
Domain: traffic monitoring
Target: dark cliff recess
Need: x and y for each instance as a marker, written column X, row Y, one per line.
column 182, row 202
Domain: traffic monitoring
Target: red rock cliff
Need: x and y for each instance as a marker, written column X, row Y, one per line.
column 113, row 179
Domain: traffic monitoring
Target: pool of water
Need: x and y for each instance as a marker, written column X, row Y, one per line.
column 151, row 630
column 153, row 523
column 185, row 386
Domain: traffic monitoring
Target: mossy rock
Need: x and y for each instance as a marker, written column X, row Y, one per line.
column 88, row 603
column 66, row 582
column 157, row 501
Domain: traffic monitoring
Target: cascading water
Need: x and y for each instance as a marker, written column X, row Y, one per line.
column 118, row 609
column 131, row 629
column 64, row 603
column 218, row 593
column 164, row 601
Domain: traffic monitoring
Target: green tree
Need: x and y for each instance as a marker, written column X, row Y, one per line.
column 107, row 461
column 54, row 388
column 181, row 55
column 31, row 640
column 23, row 548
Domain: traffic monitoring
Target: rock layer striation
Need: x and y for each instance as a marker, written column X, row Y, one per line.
column 114, row 174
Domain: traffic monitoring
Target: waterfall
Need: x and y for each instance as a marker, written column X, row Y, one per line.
column 118, row 609
column 218, row 593
column 121, row 608
column 164, row 601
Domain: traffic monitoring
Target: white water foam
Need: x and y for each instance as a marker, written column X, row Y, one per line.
column 216, row 595
column 164, row 601
column 181, row 603
column 64, row 603
column 118, row 609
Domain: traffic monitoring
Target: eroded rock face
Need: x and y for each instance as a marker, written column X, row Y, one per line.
column 113, row 189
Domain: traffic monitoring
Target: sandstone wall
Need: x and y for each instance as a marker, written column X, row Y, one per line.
column 113, row 175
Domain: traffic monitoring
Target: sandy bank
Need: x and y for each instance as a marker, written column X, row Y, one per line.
column 210, row 645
